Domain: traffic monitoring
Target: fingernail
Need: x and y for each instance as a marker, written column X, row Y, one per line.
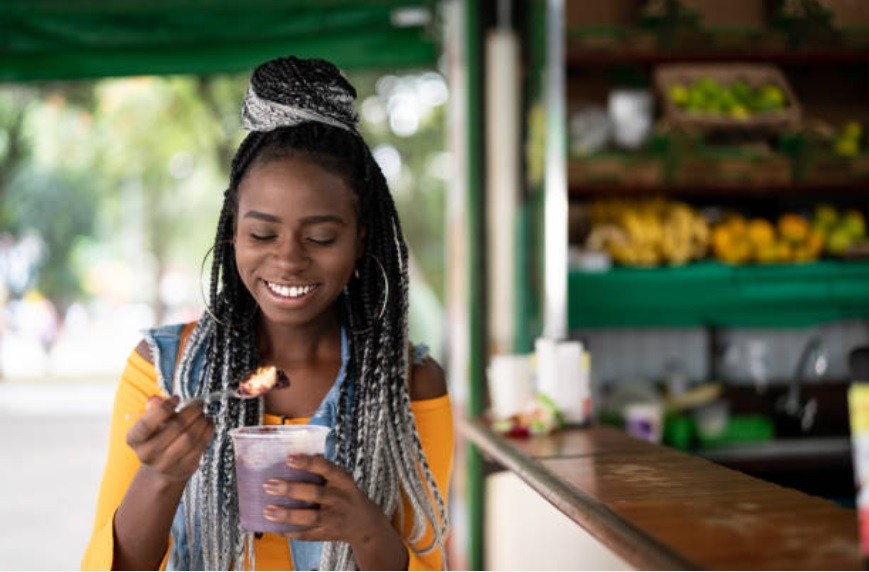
column 272, row 487
column 175, row 399
column 295, row 460
column 271, row 512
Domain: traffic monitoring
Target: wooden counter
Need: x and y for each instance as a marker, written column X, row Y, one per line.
column 658, row 508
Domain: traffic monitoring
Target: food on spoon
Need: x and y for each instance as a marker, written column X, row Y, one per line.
column 263, row 379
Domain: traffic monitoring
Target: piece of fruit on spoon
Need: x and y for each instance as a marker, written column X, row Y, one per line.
column 262, row 380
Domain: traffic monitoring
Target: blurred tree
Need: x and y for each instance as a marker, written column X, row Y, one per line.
column 58, row 206
column 13, row 148
column 165, row 146
column 412, row 159
column 38, row 195
column 138, row 166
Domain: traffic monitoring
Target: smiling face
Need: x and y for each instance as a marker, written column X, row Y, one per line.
column 297, row 238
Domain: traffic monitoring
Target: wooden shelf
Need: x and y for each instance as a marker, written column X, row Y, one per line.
column 578, row 59
column 588, row 190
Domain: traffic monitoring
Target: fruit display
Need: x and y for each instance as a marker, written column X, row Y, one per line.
column 647, row 232
column 712, row 97
column 736, row 99
column 841, row 230
column 737, row 240
column 792, row 238
column 655, row 232
column 847, row 141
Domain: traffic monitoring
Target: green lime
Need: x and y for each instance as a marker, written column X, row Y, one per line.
column 852, row 130
column 739, row 111
column 679, row 95
column 772, row 97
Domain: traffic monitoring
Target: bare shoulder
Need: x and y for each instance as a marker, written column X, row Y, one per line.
column 427, row 380
column 144, row 350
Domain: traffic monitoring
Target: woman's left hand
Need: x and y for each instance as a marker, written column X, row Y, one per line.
column 345, row 513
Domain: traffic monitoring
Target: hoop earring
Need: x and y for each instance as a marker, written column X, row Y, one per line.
column 205, row 301
column 382, row 311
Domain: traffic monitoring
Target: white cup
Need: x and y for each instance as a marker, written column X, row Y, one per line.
column 511, row 385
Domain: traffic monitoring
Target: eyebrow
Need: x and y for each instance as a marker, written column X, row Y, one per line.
column 313, row 219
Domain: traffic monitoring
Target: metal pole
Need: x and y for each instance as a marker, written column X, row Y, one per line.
column 555, row 193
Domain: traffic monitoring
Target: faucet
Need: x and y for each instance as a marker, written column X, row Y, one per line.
column 792, row 404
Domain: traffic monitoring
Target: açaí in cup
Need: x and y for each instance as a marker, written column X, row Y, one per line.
column 261, row 454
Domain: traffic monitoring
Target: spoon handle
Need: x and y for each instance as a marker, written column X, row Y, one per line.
column 209, row 397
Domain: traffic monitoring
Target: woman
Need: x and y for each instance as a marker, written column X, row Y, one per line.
column 310, row 275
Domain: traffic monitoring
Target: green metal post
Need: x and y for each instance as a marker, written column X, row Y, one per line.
column 476, row 287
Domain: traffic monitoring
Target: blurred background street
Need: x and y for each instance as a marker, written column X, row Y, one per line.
column 53, row 444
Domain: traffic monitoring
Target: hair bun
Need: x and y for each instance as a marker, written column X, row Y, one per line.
column 288, row 91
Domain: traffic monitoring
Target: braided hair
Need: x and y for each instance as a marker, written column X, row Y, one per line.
column 303, row 109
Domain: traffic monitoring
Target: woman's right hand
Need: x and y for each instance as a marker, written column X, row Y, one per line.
column 169, row 443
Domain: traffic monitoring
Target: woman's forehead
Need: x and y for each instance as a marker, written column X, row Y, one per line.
column 296, row 188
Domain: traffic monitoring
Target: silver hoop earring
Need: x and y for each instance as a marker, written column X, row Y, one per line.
column 205, row 303
column 382, row 311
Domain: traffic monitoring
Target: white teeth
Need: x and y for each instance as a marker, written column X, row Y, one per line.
column 289, row 291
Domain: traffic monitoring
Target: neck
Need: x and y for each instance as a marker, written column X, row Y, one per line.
column 295, row 344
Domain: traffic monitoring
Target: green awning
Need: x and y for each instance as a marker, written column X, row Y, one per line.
column 72, row 39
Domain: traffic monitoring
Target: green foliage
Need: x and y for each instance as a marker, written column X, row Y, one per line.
column 420, row 190
column 135, row 170
column 58, row 206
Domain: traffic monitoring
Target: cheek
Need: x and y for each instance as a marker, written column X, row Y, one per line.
column 344, row 265
column 244, row 262
column 339, row 265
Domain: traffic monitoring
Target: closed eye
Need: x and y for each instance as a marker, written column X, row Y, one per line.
column 321, row 241
column 262, row 237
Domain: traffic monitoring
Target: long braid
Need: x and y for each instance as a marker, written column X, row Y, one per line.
column 228, row 332
column 387, row 445
column 376, row 437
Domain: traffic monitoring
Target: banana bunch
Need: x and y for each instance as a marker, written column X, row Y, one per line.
column 647, row 232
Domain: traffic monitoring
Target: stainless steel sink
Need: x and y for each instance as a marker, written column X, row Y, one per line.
column 819, row 449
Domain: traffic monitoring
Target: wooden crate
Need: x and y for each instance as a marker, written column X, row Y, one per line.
column 616, row 169
column 709, row 167
column 827, row 167
column 754, row 75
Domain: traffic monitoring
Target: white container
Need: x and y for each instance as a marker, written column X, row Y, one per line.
column 631, row 112
column 563, row 376
column 511, row 385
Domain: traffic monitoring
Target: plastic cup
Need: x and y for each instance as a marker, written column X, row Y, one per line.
column 261, row 454
column 511, row 386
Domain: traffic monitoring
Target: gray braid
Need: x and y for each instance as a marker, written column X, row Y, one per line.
column 210, row 502
column 289, row 91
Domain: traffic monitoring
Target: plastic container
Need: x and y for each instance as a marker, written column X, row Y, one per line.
column 261, row 454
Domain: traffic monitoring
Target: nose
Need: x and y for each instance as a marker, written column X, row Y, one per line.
column 291, row 254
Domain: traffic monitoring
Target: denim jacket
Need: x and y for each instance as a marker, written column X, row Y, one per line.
column 164, row 343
